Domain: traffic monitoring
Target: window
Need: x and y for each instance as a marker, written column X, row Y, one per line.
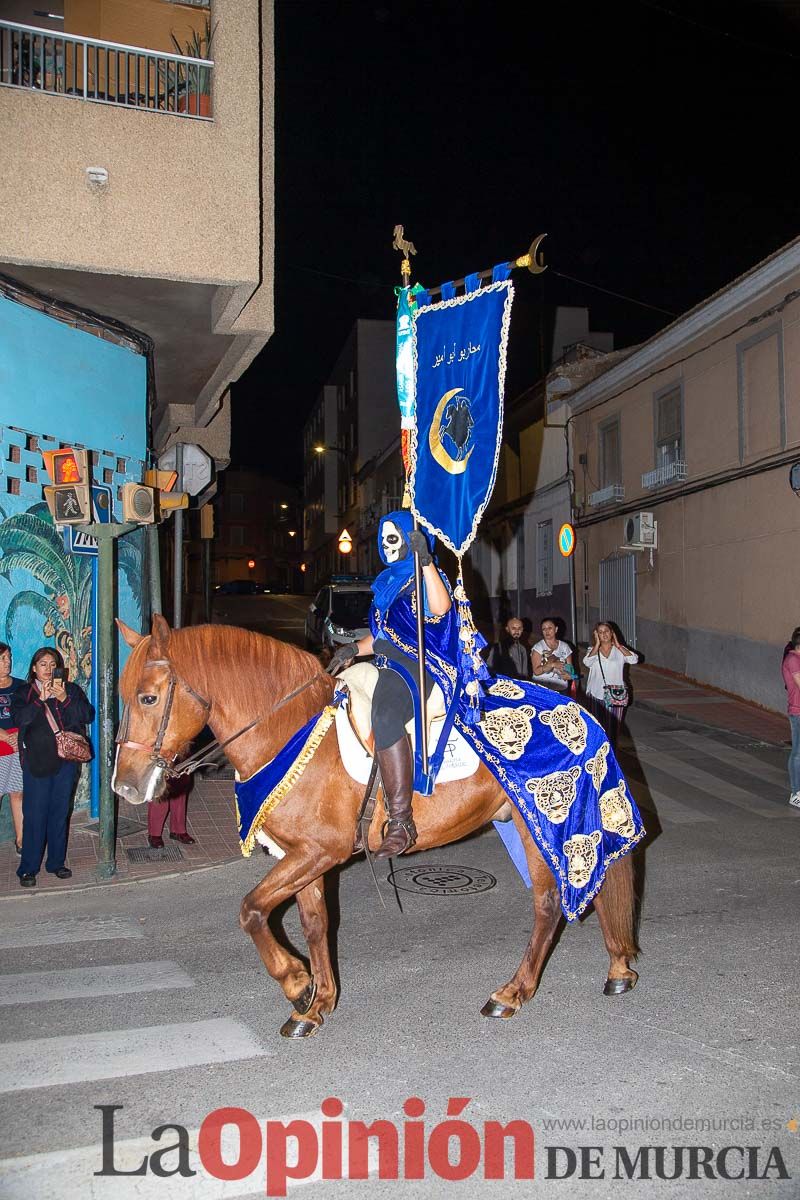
column 762, row 400
column 669, row 427
column 610, row 459
column 544, row 558
column 237, row 535
column 236, row 504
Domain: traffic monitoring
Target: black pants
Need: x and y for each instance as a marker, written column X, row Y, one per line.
column 610, row 718
column 392, row 706
column 45, row 811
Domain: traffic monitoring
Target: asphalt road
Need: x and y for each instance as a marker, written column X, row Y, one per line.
column 149, row 997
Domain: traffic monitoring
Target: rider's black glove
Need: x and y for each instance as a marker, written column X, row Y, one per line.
column 343, row 657
column 419, row 544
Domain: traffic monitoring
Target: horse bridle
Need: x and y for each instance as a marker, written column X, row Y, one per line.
column 154, row 747
column 203, row 756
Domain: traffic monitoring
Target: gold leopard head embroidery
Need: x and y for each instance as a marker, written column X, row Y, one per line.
column 509, row 729
column 507, row 690
column 581, row 852
column 596, row 766
column 554, row 794
column 616, row 813
column 568, row 726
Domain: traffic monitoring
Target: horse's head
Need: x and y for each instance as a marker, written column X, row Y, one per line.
column 161, row 716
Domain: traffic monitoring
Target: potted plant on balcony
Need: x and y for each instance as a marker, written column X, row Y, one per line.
column 194, row 80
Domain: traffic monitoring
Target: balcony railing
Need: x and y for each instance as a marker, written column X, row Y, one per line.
column 671, row 473
column 104, row 72
column 614, row 491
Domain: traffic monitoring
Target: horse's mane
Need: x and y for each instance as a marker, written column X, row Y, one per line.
column 253, row 665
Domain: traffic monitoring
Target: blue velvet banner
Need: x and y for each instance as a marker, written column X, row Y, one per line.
column 460, row 362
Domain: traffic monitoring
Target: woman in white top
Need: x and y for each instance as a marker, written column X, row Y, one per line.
column 550, row 658
column 606, row 662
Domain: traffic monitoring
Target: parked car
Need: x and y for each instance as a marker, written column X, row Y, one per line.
column 339, row 613
column 241, row 587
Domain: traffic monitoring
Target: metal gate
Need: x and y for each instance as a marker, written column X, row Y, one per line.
column 618, row 593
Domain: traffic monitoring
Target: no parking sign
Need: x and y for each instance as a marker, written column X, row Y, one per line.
column 566, row 539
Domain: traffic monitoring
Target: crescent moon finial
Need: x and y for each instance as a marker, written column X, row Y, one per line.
column 532, row 260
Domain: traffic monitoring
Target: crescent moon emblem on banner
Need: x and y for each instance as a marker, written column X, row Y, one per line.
column 445, row 460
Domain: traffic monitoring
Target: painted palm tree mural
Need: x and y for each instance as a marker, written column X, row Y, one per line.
column 54, row 605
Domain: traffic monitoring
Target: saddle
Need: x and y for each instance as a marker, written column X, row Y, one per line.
column 356, row 740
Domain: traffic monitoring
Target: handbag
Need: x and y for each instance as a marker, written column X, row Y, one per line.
column 72, row 747
column 5, row 748
column 615, row 695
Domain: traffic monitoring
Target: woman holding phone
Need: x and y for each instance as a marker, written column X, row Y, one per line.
column 606, row 661
column 48, row 780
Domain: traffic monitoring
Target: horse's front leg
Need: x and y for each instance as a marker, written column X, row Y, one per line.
column 508, row 999
column 320, row 998
column 291, row 876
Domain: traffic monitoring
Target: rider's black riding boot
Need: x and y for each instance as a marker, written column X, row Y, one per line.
column 397, row 774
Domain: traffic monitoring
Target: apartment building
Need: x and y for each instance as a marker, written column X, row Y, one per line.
column 353, row 427
column 688, row 524
column 138, row 183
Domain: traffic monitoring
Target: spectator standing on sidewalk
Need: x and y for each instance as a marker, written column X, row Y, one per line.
column 509, row 655
column 174, row 803
column 10, row 769
column 606, row 661
column 552, row 659
column 791, row 678
column 48, row 781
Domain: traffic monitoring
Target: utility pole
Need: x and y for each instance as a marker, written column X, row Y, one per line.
column 106, row 536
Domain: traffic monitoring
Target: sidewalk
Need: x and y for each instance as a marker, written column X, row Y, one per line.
column 210, row 819
column 664, row 692
column 211, row 815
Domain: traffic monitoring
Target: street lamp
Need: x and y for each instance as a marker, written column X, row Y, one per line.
column 319, row 448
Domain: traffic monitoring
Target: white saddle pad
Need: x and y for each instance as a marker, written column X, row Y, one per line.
column 459, row 762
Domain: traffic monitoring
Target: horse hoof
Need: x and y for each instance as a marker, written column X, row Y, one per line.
column 493, row 1008
column 618, row 987
column 306, row 998
column 298, row 1029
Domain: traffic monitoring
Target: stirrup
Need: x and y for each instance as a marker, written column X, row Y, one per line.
column 409, row 829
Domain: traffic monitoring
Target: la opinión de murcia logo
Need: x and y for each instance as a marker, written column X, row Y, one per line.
column 233, row 1145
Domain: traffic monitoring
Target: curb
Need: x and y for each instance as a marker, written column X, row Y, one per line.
column 32, row 893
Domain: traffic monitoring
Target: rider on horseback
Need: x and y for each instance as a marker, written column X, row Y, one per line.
column 392, row 704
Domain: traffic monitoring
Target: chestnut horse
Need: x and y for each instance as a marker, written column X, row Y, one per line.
column 177, row 681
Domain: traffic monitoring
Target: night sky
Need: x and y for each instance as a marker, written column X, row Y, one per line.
column 653, row 142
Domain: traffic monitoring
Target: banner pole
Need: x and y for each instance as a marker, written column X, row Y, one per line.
column 406, row 249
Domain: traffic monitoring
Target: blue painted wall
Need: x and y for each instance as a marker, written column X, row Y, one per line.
column 72, row 385
column 58, row 384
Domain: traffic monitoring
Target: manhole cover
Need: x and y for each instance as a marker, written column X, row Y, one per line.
column 144, row 854
column 443, row 881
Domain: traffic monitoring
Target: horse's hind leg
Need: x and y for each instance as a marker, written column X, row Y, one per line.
column 615, row 905
column 319, row 998
column 291, row 875
column 507, row 1000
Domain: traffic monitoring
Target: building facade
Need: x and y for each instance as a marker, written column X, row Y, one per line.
column 688, row 528
column 353, row 425
column 257, row 521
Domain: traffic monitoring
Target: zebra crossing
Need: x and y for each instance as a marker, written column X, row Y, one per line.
column 35, row 1063
column 686, row 777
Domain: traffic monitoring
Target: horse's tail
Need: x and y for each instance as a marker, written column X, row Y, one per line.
column 619, row 906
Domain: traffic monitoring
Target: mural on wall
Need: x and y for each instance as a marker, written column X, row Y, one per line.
column 46, row 595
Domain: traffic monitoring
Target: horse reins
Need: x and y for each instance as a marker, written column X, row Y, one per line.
column 200, row 757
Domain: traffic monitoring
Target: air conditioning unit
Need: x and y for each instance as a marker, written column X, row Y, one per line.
column 640, row 532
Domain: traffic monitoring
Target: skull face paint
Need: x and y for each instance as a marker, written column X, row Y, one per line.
column 393, row 543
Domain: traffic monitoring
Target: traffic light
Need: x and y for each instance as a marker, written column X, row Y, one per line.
column 345, row 542
column 138, row 503
column 207, row 521
column 69, row 499
column 167, row 498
